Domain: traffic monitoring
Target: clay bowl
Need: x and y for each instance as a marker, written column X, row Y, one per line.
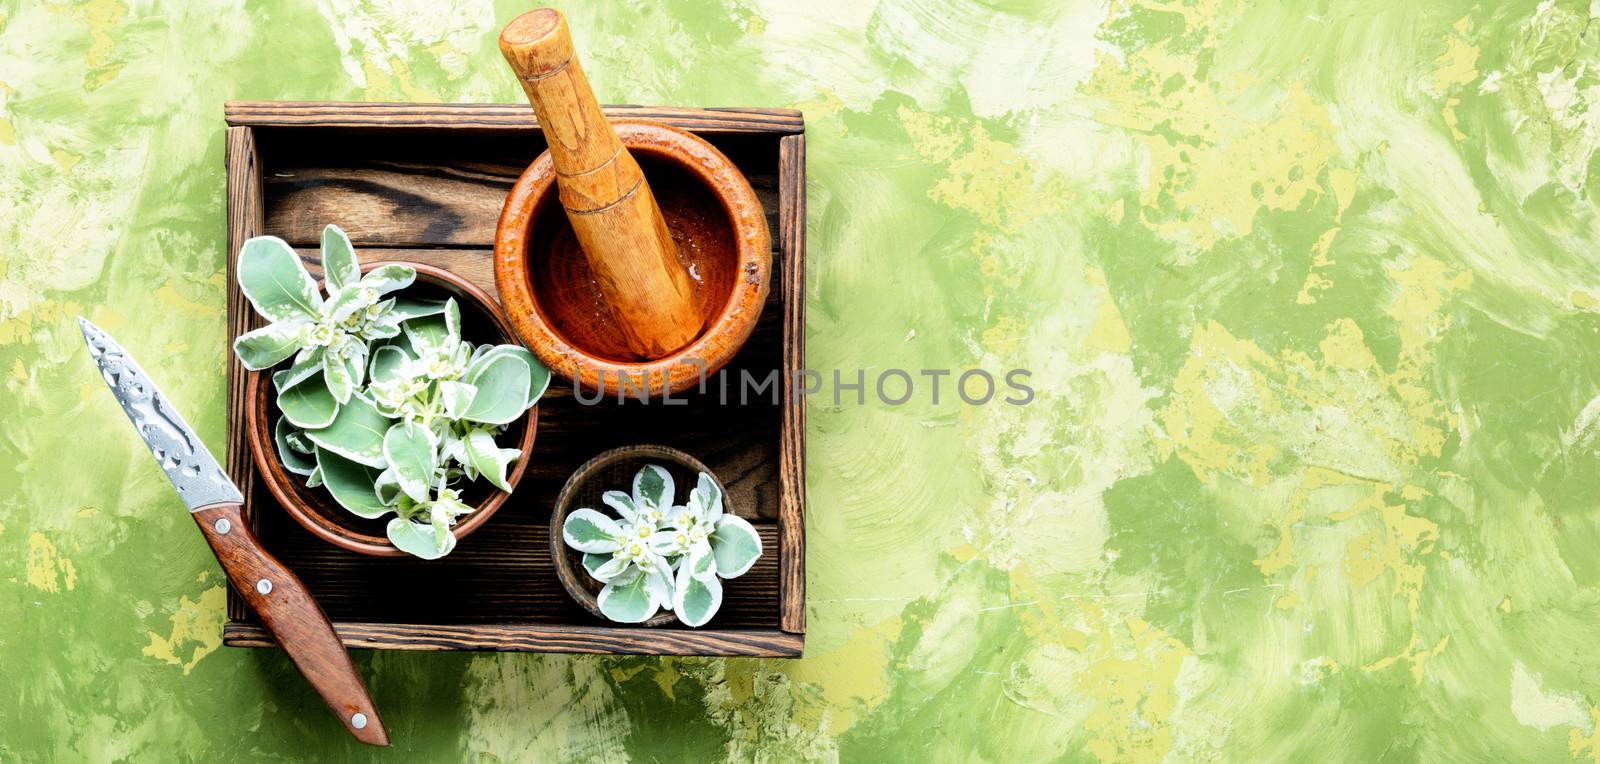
column 482, row 321
column 722, row 238
column 614, row 471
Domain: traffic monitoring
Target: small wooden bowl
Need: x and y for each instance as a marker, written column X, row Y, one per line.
column 614, row 471
column 482, row 320
column 555, row 303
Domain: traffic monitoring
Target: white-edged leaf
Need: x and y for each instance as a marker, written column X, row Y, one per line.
column 658, row 580
column 276, row 283
column 538, row 373
column 622, row 503
column 387, row 278
column 426, row 332
column 305, row 364
column 709, row 496
column 387, row 487
column 263, row 348
column 338, row 258
column 589, row 531
column 694, row 599
column 488, row 458
column 293, row 460
column 386, row 363
column 735, row 545
column 309, row 405
column 452, row 318
column 351, row 484
column 609, row 568
column 297, row 440
column 700, row 562
column 412, row 453
column 456, row 397
column 356, row 433
column 420, row 539
column 629, row 601
column 314, row 480
column 502, row 384
column 340, row 384
column 410, row 307
column 653, row 484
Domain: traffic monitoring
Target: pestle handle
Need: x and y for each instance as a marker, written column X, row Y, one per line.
column 613, row 212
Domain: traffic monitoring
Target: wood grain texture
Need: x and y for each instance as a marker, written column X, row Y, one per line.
column 792, row 443
column 288, row 611
column 494, row 117
column 242, row 164
column 423, row 191
column 547, row 638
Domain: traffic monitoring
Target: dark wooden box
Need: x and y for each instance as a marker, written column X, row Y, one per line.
column 426, row 183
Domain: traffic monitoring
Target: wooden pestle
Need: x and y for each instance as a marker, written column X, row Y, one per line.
column 615, row 217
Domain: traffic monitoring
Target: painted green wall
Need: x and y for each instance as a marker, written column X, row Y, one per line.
column 1309, row 290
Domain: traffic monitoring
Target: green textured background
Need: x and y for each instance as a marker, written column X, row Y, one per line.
column 1309, row 289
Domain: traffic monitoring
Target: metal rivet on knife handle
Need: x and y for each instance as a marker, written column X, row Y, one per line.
column 264, row 586
column 359, row 721
column 223, row 526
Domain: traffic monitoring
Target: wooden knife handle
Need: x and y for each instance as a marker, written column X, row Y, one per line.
column 294, row 618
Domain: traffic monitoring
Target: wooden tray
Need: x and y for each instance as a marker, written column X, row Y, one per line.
column 425, row 183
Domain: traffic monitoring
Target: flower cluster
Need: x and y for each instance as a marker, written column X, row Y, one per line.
column 655, row 555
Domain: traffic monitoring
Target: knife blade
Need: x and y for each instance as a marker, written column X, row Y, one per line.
column 284, row 604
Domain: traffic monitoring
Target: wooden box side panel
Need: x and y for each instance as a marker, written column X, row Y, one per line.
column 246, row 212
column 792, row 447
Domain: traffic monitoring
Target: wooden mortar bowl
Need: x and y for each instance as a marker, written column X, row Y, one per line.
column 614, row 471
column 482, row 321
column 556, row 305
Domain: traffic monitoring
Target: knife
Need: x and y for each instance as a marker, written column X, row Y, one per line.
column 283, row 603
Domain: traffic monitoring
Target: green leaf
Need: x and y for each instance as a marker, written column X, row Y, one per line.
column 387, row 278
column 352, row 484
column 709, row 496
column 315, row 479
column 420, row 539
column 410, row 307
column 457, row 397
column 387, row 487
column 701, row 563
column 297, row 441
column 309, row 405
column 622, row 503
column 628, row 602
column 338, row 259
column 276, row 283
column 452, row 318
column 489, row 459
column 426, row 332
column 293, row 461
column 305, row 365
column 595, row 562
column 265, row 347
column 539, row 374
column 502, row 384
column 653, row 484
column 735, row 545
column 356, row 433
column 695, row 600
column 589, row 531
column 386, row 363
column 340, row 384
column 412, row 453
